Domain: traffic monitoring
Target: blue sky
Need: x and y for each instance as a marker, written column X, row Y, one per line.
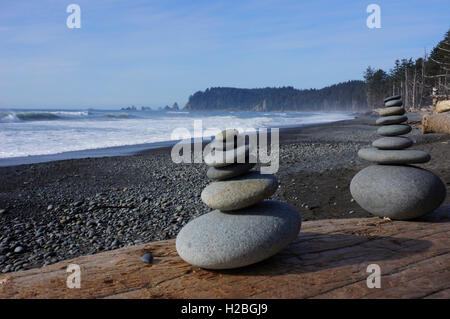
column 154, row 53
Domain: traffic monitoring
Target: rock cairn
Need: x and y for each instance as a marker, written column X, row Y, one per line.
column 393, row 188
column 244, row 228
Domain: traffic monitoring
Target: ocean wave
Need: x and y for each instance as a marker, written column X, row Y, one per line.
column 8, row 117
column 121, row 116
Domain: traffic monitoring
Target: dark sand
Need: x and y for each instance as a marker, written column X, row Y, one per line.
column 63, row 209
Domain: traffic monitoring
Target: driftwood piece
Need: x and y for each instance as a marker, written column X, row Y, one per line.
column 443, row 106
column 436, row 123
column 328, row 259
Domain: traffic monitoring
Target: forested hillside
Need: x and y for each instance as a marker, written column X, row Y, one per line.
column 347, row 96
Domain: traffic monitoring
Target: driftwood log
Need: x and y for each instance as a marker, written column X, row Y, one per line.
column 443, row 106
column 329, row 259
column 436, row 123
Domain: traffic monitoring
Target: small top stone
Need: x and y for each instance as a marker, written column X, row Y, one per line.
column 227, row 135
column 221, row 145
column 393, row 103
column 223, row 158
column 393, row 97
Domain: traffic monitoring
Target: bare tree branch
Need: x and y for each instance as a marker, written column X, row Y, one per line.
column 438, row 61
column 443, row 49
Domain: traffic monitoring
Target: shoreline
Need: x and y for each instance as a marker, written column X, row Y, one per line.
column 122, row 150
column 64, row 209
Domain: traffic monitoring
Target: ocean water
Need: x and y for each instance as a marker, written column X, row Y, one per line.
column 26, row 133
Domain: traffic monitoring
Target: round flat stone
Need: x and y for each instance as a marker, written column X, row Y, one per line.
column 394, row 130
column 219, row 240
column 394, row 119
column 220, row 145
column 394, row 110
column 394, row 156
column 219, row 158
column 239, row 192
column 393, row 103
column 397, row 192
column 230, row 171
column 227, row 135
column 393, row 97
column 393, row 143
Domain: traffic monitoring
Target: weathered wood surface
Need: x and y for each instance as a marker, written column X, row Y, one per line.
column 436, row 123
column 329, row 259
column 443, row 106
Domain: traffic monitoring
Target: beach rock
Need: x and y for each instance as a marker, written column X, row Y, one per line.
column 18, row 249
column 227, row 135
column 397, row 192
column 219, row 240
column 393, row 97
column 240, row 192
column 395, row 110
column 393, row 143
column 220, row 145
column 394, row 119
column 393, row 103
column 394, row 130
column 147, row 258
column 394, row 156
column 230, row 171
column 223, row 158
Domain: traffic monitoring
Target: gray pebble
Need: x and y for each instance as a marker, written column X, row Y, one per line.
column 147, row 258
column 394, row 130
column 393, row 103
column 394, row 156
column 393, row 143
column 394, row 119
column 239, row 192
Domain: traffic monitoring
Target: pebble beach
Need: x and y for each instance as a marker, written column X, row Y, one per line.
column 64, row 209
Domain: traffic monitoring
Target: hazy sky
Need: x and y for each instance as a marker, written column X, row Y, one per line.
column 154, row 53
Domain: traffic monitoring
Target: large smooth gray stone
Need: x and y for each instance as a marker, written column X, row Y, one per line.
column 223, row 158
column 393, row 143
column 394, row 130
column 220, row 240
column 230, row 171
column 394, row 119
column 393, row 97
column 397, row 192
column 239, row 192
column 394, row 156
column 393, row 103
column 395, row 110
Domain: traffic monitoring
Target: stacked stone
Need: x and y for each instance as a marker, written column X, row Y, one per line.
column 243, row 228
column 393, row 188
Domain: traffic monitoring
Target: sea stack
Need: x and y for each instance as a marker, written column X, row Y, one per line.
column 393, row 187
column 244, row 228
